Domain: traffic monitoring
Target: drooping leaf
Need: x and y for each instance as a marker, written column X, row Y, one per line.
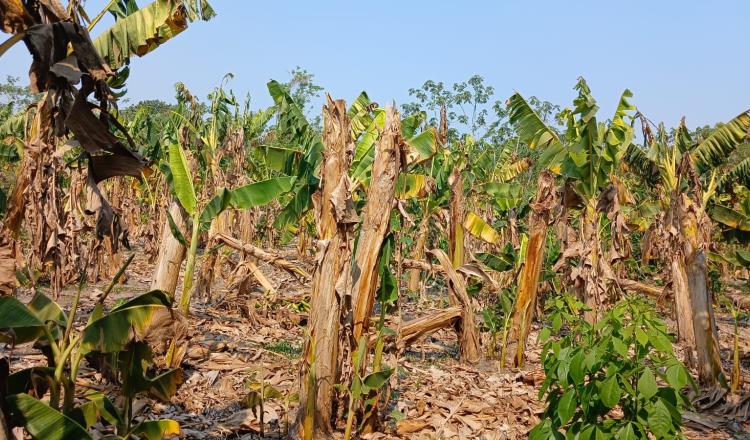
column 376, row 380
column 647, row 387
column 739, row 173
column 566, row 407
column 18, row 324
column 530, row 128
column 717, row 147
column 474, row 225
column 147, row 28
column 43, row 422
column 115, row 330
column 409, row 185
column 97, row 406
column 214, row 207
column 730, row 217
column 660, row 420
column 175, row 230
column 260, row 193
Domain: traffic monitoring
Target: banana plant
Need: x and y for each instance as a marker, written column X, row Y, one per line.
column 202, row 212
column 115, row 339
column 588, row 154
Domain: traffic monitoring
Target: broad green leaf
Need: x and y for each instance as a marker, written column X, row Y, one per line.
column 500, row 262
column 97, row 406
column 43, row 422
column 730, row 217
column 722, row 142
column 532, row 130
column 153, row 297
column 677, row 376
column 506, row 195
column 260, row 193
column 114, row 331
column 359, row 114
column 376, row 380
column 16, row 317
column 609, row 392
column 659, row 420
column 147, row 28
column 423, row 146
column 214, row 207
column 181, row 178
column 566, row 407
column 647, row 387
column 641, row 336
column 620, row 347
column 364, row 151
column 577, row 372
column 626, row 433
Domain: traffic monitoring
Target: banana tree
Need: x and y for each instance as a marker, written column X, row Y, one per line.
column 48, row 31
column 115, row 340
column 587, row 154
column 203, row 212
column 688, row 185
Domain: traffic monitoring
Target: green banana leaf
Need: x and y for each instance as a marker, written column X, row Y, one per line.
column 182, row 181
column 147, row 28
column 37, row 379
column 133, row 363
column 97, row 406
column 18, row 324
column 359, row 114
column 717, row 147
column 260, row 193
column 114, row 331
column 44, row 422
column 730, row 217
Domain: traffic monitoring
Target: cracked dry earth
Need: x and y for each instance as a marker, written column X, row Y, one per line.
column 237, row 340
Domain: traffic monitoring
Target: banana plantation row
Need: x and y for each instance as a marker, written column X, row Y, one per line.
column 601, row 218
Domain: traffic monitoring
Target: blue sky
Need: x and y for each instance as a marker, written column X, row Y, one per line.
column 680, row 58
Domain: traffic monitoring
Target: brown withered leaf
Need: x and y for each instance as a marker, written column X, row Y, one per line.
column 8, row 281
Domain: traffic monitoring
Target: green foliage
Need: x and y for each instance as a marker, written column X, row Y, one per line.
column 139, row 32
column 108, row 341
column 624, row 361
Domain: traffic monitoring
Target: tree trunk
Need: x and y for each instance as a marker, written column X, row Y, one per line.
column 418, row 254
column 468, row 339
column 335, row 224
column 376, row 218
column 683, row 303
column 171, row 252
column 694, row 229
column 418, row 328
column 541, row 212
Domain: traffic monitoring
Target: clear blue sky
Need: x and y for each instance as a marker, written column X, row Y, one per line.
column 680, row 58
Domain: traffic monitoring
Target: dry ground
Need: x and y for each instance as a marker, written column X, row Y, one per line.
column 240, row 339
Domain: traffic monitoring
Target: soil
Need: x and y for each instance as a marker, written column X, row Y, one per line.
column 239, row 340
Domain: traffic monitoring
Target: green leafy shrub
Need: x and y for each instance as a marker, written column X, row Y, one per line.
column 618, row 378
